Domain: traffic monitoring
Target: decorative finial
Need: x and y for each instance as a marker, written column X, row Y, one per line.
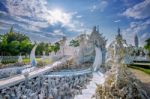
column 118, row 31
column 11, row 30
column 136, row 41
column 98, row 28
column 84, row 32
column 94, row 29
column 119, row 36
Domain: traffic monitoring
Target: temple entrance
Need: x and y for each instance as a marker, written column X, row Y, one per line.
column 98, row 42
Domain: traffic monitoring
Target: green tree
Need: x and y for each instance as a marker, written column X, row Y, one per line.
column 147, row 45
column 57, row 47
column 54, row 48
column 74, row 43
column 25, row 47
column 3, row 45
column 13, row 43
column 40, row 48
column 14, row 48
column 12, row 36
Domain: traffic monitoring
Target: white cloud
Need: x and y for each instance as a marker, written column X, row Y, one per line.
column 144, row 37
column 2, row 13
column 103, row 5
column 78, row 16
column 29, row 28
column 40, row 24
column 6, row 22
column 100, row 6
column 39, row 37
column 32, row 8
column 93, row 8
column 139, row 11
column 59, row 16
column 136, row 28
column 4, row 28
column 37, row 9
column 117, row 21
column 33, row 15
column 58, row 33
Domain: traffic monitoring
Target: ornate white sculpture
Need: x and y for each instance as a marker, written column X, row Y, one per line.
column 146, row 54
column 32, row 56
column 98, row 59
column 43, row 54
column 120, row 83
column 117, row 50
column 20, row 59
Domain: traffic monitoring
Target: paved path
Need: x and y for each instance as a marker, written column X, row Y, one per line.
column 143, row 77
column 19, row 78
column 98, row 78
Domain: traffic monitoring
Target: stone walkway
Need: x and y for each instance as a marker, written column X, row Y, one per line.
column 98, row 78
column 19, row 78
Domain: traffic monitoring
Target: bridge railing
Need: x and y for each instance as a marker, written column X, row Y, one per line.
column 8, row 59
column 12, row 59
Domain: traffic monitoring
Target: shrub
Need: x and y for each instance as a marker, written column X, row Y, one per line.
column 19, row 64
column 41, row 64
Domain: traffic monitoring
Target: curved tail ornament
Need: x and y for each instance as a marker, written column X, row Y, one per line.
column 98, row 59
column 32, row 56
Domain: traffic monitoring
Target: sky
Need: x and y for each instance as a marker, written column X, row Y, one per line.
column 50, row 20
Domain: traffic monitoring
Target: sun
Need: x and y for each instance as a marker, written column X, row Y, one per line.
column 59, row 15
column 57, row 12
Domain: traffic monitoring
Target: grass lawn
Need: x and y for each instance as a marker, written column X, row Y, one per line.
column 142, row 69
column 27, row 60
column 142, row 63
column 47, row 61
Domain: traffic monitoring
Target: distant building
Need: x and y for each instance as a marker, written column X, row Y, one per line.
column 136, row 41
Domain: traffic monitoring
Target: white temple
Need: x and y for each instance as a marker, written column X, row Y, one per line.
column 58, row 81
column 92, row 49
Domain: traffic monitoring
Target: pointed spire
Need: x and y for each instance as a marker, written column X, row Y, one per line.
column 119, row 31
column 84, row 31
column 94, row 29
column 98, row 28
column 136, row 40
column 119, row 36
column 11, row 30
column 64, row 38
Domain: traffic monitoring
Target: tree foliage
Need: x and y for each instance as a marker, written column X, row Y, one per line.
column 74, row 43
column 56, row 47
column 47, row 48
column 147, row 45
column 13, row 43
